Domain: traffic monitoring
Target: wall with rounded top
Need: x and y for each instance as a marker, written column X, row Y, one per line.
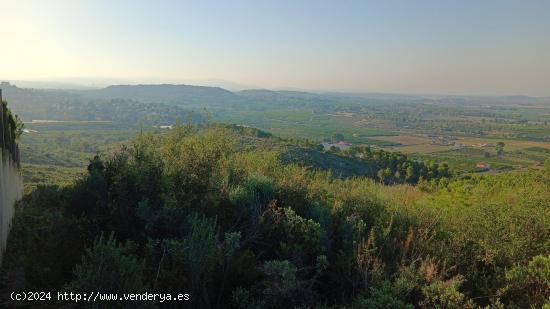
column 11, row 190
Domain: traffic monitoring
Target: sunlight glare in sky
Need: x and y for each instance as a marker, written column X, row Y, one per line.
column 457, row 47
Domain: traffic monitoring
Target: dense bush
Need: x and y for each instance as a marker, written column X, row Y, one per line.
column 191, row 211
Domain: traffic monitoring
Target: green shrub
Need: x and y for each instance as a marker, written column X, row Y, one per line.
column 109, row 268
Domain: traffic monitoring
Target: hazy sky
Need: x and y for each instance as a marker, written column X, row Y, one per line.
column 460, row 46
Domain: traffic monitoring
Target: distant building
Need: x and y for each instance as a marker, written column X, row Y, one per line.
column 169, row 127
column 342, row 145
column 482, row 166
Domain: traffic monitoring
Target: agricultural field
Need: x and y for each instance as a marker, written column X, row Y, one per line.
column 460, row 131
column 464, row 153
column 306, row 124
column 56, row 152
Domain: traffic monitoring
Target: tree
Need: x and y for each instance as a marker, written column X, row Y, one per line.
column 337, row 137
column 384, row 175
column 410, row 173
column 500, row 148
column 443, row 170
column 19, row 126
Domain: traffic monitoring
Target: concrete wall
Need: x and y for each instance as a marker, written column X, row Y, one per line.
column 11, row 190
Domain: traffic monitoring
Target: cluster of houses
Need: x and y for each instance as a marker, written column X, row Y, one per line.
column 484, row 145
column 437, row 140
column 452, row 141
column 445, row 141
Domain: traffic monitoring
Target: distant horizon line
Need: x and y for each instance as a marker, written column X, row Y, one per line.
column 68, row 85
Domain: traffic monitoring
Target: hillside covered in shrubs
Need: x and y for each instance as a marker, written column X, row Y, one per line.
column 195, row 210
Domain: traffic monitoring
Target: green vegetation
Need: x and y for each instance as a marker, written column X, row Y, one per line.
column 444, row 128
column 218, row 212
column 394, row 167
column 430, row 202
column 56, row 153
column 11, row 128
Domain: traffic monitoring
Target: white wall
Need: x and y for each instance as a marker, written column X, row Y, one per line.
column 11, row 190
